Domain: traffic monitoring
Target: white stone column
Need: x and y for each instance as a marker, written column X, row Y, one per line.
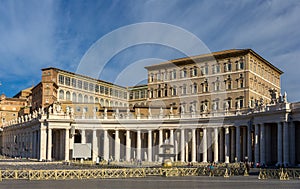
column 238, row 143
column 279, row 143
column 193, row 145
column 149, row 146
column 286, row 157
column 221, row 146
column 128, row 145
column 256, row 144
column 216, row 145
column 262, row 145
column 139, row 145
column 172, row 143
column 232, row 144
column 83, row 136
column 182, row 145
column 49, row 145
column 292, row 143
column 95, row 145
column 268, row 144
column 67, row 143
column 62, row 145
column 117, row 145
column 34, row 151
column 105, row 145
column 176, row 143
column 42, row 144
column 244, row 134
column 249, row 143
column 160, row 143
column 227, row 145
column 204, row 145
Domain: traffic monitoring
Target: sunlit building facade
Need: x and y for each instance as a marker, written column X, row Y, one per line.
column 219, row 107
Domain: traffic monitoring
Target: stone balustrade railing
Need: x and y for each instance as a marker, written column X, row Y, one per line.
column 57, row 112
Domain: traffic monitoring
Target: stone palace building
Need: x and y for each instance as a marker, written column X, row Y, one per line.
column 220, row 107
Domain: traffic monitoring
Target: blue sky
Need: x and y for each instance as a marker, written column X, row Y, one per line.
column 39, row 34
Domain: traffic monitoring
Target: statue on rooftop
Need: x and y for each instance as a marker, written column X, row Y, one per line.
column 284, row 98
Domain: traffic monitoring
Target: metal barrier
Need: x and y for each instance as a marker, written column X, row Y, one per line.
column 106, row 173
column 72, row 174
column 282, row 174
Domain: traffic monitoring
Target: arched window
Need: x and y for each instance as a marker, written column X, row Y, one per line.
column 74, row 97
column 96, row 100
column 91, row 99
column 61, row 94
column 174, row 91
column 80, row 99
column 68, row 95
column 106, row 103
column 195, row 88
column 102, row 102
column 184, row 90
column 86, row 99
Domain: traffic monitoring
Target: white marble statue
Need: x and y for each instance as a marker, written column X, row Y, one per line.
column 171, row 110
column 182, row 109
column 284, row 98
column 149, row 111
column 204, row 108
column 50, row 110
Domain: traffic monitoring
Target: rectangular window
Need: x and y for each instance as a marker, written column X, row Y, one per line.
column 174, row 74
column 142, row 94
column 131, row 95
column 241, row 83
column 217, row 86
column 97, row 88
column 204, row 70
column 136, row 95
column 151, row 79
column 194, row 72
column 74, row 84
column 85, row 85
column 106, row 90
column 184, row 92
column 183, row 73
column 79, row 84
column 241, row 65
column 61, row 79
column 241, row 103
column 158, row 76
column 195, row 88
column 101, row 89
column 217, row 69
column 229, row 85
column 68, row 81
column 91, row 87
column 174, row 91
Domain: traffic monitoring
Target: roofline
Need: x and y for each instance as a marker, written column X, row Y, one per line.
column 212, row 56
column 87, row 77
column 267, row 62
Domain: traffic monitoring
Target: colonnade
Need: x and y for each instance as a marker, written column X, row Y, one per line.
column 207, row 144
column 263, row 143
